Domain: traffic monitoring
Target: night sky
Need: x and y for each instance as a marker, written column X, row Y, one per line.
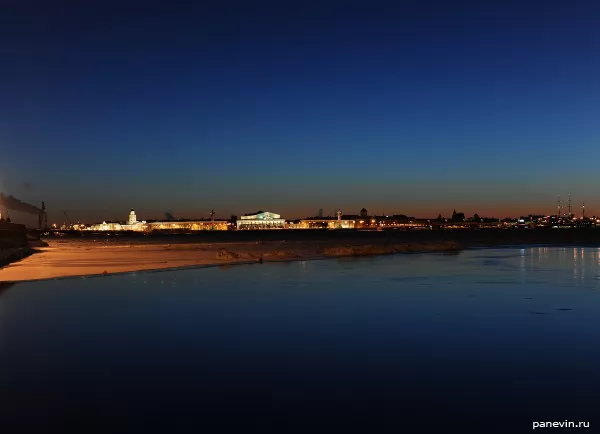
column 414, row 107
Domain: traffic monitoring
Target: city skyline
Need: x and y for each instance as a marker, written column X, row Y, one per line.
column 73, row 215
column 398, row 107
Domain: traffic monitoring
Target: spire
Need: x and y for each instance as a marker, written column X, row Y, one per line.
column 212, row 219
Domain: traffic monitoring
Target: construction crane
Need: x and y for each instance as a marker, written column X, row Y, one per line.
column 69, row 220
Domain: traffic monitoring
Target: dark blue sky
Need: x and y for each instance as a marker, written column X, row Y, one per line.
column 409, row 107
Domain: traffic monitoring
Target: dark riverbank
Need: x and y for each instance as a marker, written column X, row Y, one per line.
column 14, row 244
column 466, row 238
column 84, row 253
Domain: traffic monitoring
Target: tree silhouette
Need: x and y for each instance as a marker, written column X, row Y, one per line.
column 458, row 216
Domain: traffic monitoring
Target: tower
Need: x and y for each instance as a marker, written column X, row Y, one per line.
column 558, row 215
column 43, row 217
column 132, row 219
column 583, row 210
column 569, row 207
column 339, row 215
column 212, row 219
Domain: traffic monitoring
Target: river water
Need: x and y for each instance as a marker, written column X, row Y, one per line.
column 481, row 341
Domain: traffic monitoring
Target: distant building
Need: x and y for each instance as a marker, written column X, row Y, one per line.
column 133, row 224
column 142, row 226
column 260, row 220
column 326, row 224
column 188, row 225
column 132, row 217
column 106, row 226
column 364, row 213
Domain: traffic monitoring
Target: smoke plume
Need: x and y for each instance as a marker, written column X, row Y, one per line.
column 15, row 204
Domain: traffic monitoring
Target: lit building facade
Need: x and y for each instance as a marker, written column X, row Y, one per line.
column 327, row 224
column 132, row 217
column 260, row 220
column 142, row 226
column 197, row 225
column 106, row 226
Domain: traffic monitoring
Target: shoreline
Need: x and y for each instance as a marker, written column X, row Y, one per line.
column 79, row 259
column 61, row 258
column 14, row 254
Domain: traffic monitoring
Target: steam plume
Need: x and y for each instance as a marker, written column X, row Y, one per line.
column 15, row 204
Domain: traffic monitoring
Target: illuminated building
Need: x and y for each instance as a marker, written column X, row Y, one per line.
column 132, row 218
column 326, row 224
column 106, row 226
column 191, row 225
column 143, row 226
column 133, row 224
column 260, row 220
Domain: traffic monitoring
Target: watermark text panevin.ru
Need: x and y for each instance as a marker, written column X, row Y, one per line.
column 562, row 424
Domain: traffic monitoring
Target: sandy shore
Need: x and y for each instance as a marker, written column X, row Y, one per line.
column 70, row 258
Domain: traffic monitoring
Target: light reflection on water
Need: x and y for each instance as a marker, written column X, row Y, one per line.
column 507, row 335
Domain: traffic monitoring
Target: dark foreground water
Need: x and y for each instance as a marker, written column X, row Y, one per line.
column 483, row 341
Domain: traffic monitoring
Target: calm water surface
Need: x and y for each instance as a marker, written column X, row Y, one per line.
column 483, row 341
